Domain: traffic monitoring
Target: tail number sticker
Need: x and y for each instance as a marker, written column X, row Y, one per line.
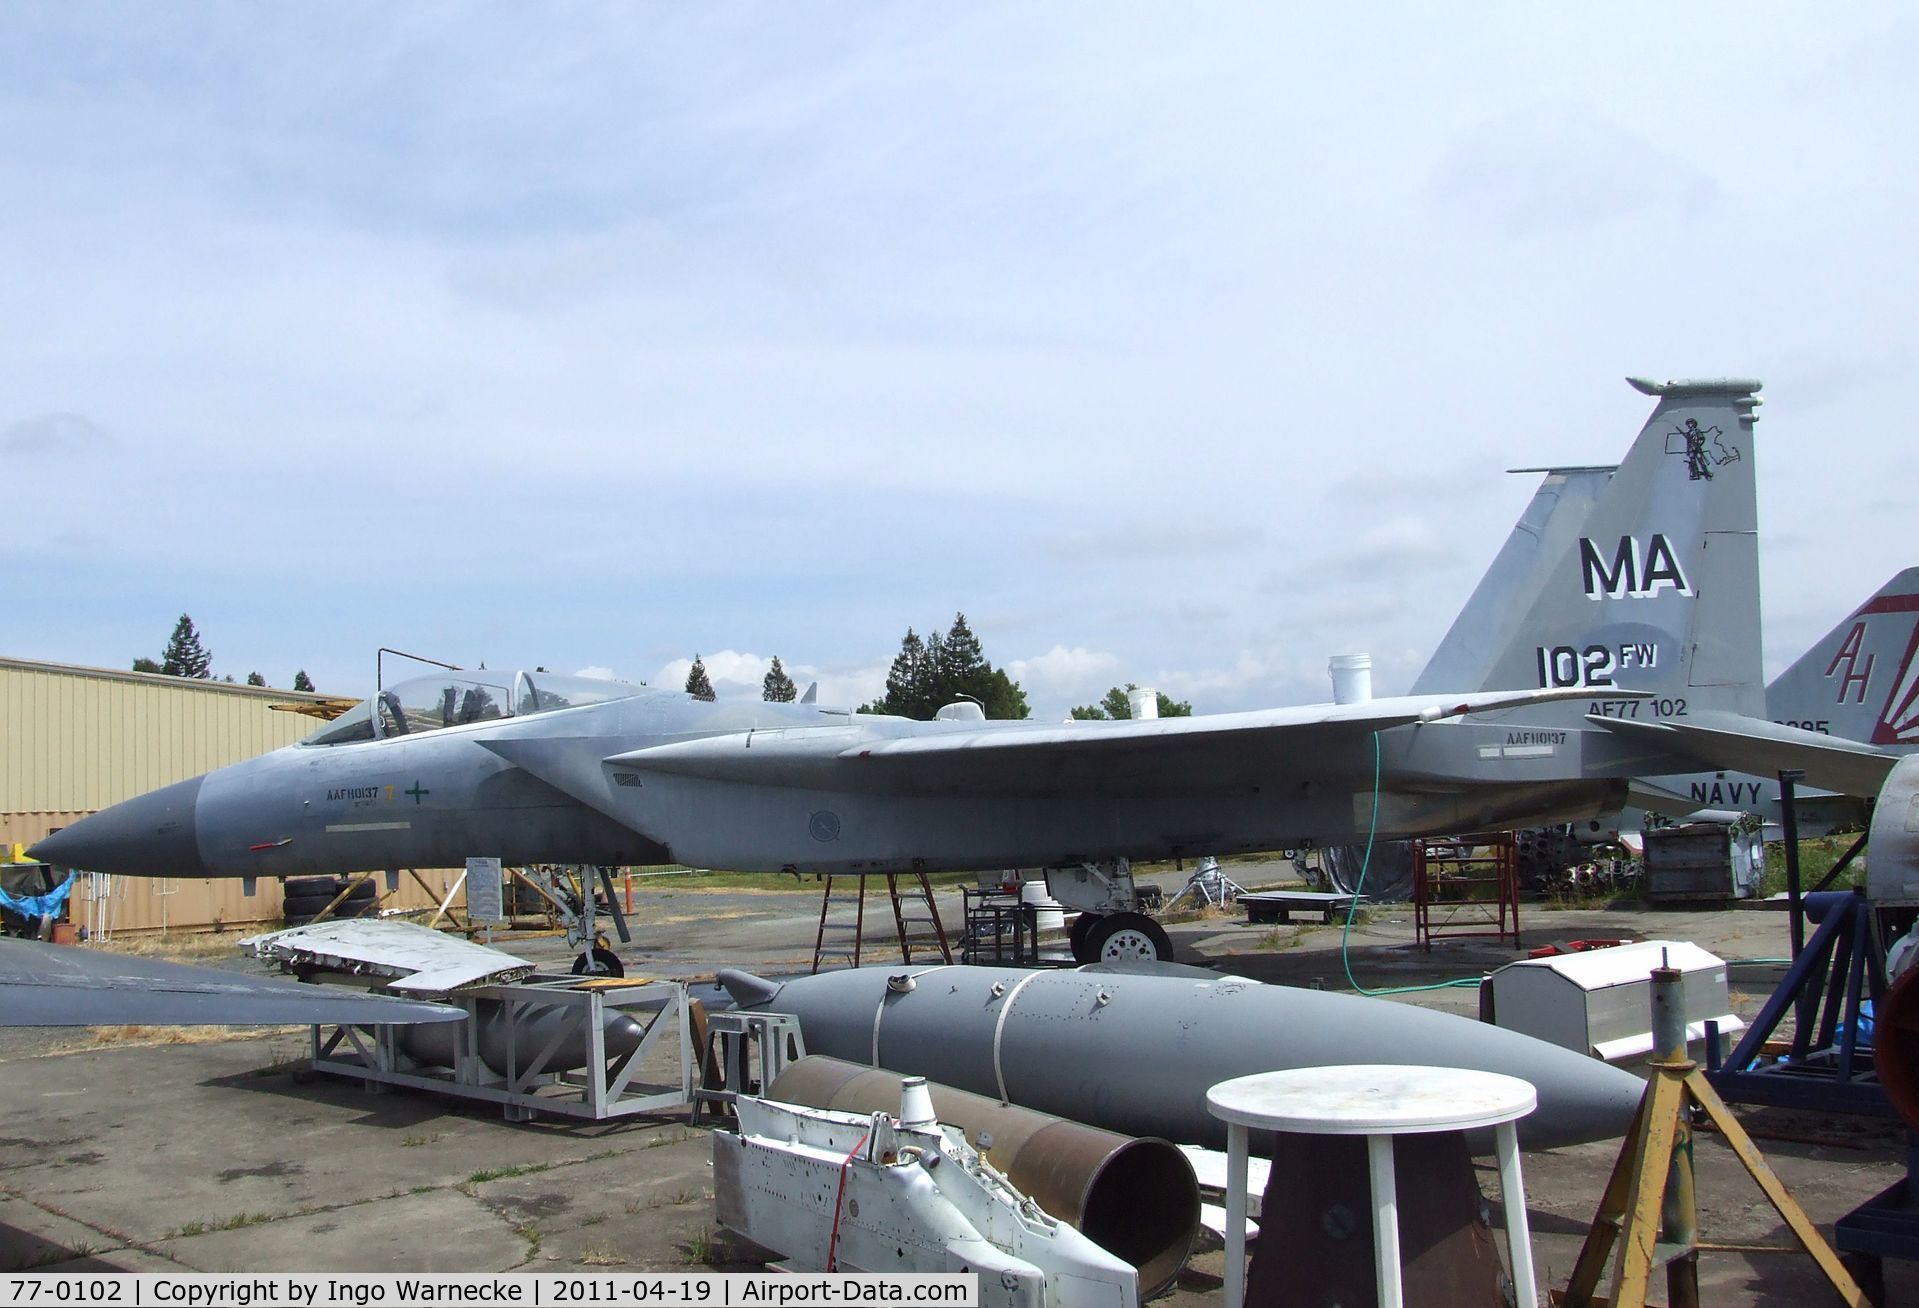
column 1562, row 665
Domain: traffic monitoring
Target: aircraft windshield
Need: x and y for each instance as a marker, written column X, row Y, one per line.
column 458, row 699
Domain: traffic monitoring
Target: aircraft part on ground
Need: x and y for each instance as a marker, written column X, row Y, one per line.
column 1051, row 1041
column 1137, row 1199
column 415, row 960
column 874, row 1193
column 1388, row 878
column 503, row 1045
column 72, row 985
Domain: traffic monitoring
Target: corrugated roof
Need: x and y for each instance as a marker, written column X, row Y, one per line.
column 174, row 683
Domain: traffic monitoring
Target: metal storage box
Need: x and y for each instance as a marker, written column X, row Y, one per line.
column 1702, row 860
column 1600, row 1002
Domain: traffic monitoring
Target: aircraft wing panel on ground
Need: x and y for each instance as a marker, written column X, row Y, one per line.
column 418, row 960
column 65, row 985
column 1735, row 742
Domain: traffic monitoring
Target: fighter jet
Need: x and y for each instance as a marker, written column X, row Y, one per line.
column 1638, row 657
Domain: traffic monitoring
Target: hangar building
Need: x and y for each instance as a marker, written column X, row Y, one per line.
column 76, row 739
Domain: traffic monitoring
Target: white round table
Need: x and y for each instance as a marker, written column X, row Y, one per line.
column 1378, row 1102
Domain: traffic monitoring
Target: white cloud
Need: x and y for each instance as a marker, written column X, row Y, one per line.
column 730, row 671
column 1076, row 671
column 735, row 674
column 598, row 673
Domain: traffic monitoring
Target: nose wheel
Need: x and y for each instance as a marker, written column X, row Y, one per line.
column 598, row 962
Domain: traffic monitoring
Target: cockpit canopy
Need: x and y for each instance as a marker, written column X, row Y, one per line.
column 458, row 698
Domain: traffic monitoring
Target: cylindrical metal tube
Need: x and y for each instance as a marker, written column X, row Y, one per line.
column 439, row 1046
column 1137, row 1199
column 1668, row 1014
column 1678, row 1211
column 1136, row 1053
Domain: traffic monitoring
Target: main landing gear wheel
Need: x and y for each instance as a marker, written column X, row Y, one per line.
column 599, row 962
column 1129, row 938
column 1080, row 937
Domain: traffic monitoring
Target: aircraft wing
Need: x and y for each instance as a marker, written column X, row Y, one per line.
column 418, row 960
column 64, row 985
column 1153, row 754
column 1735, row 742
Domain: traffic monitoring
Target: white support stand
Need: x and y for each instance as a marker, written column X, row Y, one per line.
column 603, row 1088
column 1377, row 1102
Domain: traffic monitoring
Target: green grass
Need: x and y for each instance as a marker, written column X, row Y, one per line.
column 239, row 1220
column 699, row 1244
column 486, row 1174
column 1816, row 858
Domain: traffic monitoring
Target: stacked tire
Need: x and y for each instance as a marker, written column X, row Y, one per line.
column 306, row 896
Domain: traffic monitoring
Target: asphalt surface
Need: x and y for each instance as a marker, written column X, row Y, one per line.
column 144, row 1154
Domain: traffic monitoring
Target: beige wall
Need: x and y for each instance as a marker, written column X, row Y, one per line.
column 74, row 740
column 137, row 904
column 77, row 739
column 25, row 828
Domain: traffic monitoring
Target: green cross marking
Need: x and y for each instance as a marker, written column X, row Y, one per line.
column 417, row 793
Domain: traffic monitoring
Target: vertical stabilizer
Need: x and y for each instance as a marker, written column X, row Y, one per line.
column 1547, row 528
column 1861, row 681
column 1658, row 590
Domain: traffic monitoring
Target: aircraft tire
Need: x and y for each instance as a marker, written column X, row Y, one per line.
column 1081, row 937
column 305, row 903
column 598, row 962
column 311, row 894
column 1130, row 938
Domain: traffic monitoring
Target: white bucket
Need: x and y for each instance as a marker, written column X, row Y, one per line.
column 1352, row 678
column 1143, row 703
column 1049, row 914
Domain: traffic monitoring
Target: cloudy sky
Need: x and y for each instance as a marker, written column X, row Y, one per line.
column 1181, row 347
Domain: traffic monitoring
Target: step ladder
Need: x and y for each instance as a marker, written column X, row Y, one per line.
column 916, row 918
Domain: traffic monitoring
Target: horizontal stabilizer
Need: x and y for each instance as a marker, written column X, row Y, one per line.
column 1738, row 743
column 66, row 985
column 1658, row 799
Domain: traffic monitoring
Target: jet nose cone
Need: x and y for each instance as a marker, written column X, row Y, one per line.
column 151, row 836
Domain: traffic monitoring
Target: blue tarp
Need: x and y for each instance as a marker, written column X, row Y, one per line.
column 47, row 905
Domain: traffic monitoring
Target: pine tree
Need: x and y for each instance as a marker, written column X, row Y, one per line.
column 929, row 674
column 697, row 684
column 255, row 679
column 778, row 688
column 961, row 664
column 905, row 678
column 184, row 656
column 145, row 664
column 301, row 681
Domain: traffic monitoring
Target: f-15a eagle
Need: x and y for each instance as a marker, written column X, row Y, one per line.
column 1638, row 656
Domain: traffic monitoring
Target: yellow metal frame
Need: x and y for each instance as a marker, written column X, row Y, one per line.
column 1639, row 1194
